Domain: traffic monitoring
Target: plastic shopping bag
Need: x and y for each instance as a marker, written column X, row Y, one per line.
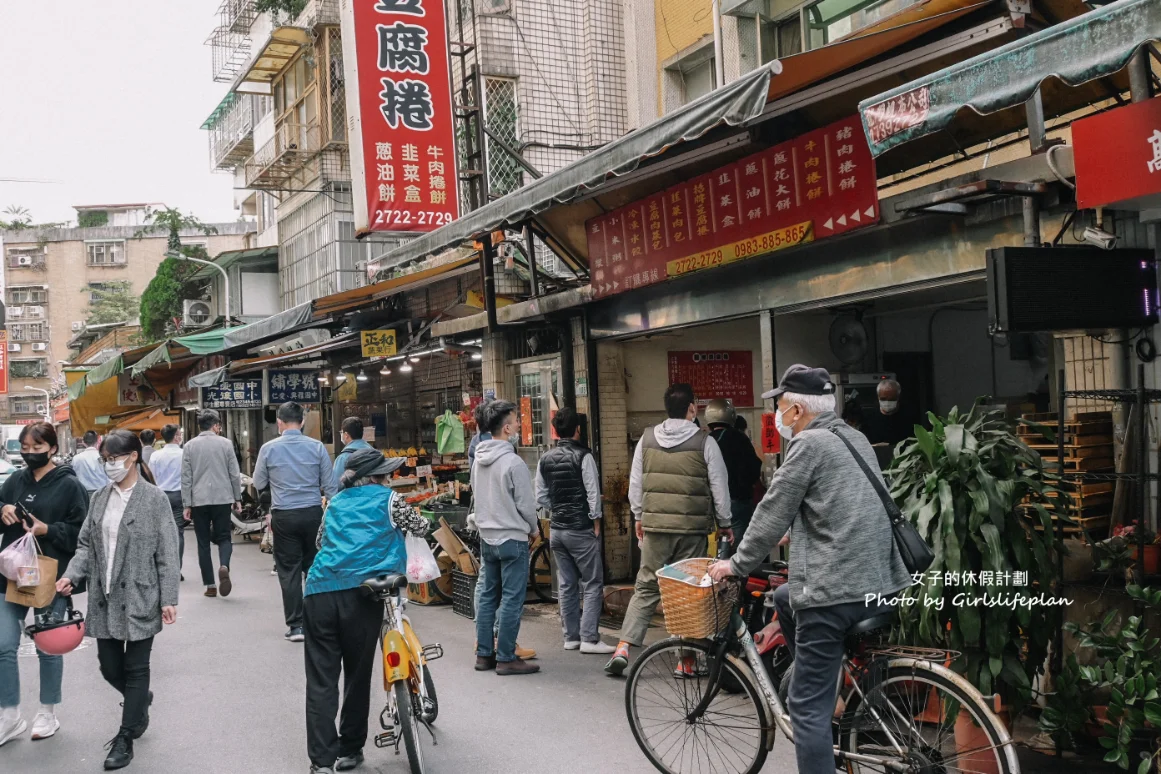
column 421, row 564
column 18, row 562
column 449, row 434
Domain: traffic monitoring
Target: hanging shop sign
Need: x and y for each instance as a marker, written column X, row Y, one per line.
column 133, row 391
column 715, row 374
column 815, row 186
column 526, row 436
column 293, row 385
column 60, row 410
column 183, row 393
column 771, row 440
column 233, row 394
column 400, row 121
column 1117, row 156
column 3, row 362
column 378, row 343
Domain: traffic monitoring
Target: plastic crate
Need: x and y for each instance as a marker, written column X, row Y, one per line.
column 464, row 594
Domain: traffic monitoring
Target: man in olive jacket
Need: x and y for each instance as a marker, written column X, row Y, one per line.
column 679, row 493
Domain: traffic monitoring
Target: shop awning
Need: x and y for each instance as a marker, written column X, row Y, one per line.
column 149, row 418
column 1092, row 46
column 306, row 353
column 735, row 104
column 352, row 299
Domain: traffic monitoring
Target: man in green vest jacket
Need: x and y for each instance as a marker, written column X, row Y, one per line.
column 679, row 493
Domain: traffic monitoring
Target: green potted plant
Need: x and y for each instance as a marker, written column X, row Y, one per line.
column 1068, row 710
column 1152, row 549
column 963, row 484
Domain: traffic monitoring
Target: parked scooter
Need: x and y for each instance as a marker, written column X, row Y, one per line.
column 252, row 520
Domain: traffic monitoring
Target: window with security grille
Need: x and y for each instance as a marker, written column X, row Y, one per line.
column 27, row 331
column 106, row 253
column 29, row 369
column 22, row 404
column 30, row 294
column 501, row 114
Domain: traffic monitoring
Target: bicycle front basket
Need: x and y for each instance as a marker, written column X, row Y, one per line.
column 692, row 610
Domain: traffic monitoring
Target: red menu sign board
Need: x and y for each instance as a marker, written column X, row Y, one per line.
column 716, row 374
column 1118, row 155
column 402, row 134
column 814, row 186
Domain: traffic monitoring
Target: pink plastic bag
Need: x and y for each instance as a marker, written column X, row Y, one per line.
column 421, row 564
column 18, row 562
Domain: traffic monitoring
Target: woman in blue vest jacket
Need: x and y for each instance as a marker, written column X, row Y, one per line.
column 361, row 537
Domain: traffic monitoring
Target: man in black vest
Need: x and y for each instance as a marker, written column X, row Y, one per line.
column 568, row 485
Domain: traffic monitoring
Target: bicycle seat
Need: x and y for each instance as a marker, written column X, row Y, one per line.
column 385, row 584
column 869, row 626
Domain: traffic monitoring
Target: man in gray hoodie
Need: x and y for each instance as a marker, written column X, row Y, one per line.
column 506, row 519
column 679, row 493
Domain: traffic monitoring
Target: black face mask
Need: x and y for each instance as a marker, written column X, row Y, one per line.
column 36, row 461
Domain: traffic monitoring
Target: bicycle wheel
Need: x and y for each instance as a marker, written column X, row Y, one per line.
column 442, row 586
column 667, row 681
column 540, row 573
column 430, row 702
column 940, row 726
column 408, row 725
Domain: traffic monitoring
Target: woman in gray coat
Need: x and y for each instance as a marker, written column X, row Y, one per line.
column 128, row 552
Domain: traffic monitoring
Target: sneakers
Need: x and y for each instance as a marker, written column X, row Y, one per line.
column 619, row 661
column 294, row 634
column 572, row 644
column 10, row 728
column 211, row 591
column 120, row 751
column 224, row 581
column 485, row 663
column 686, row 667
column 524, row 654
column 321, row 769
column 348, row 762
column 45, row 725
column 597, row 648
column 517, row 667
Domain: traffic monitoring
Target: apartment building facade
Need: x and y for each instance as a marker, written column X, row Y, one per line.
column 52, row 276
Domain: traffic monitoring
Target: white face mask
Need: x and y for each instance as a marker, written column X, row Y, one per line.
column 888, row 406
column 783, row 430
column 116, row 471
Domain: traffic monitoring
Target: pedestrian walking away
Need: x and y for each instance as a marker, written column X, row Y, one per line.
column 678, row 493
column 298, row 471
column 568, row 486
column 87, row 464
column 506, row 519
column 842, row 551
column 147, row 439
column 211, row 484
column 362, row 536
column 127, row 551
column 743, row 465
column 57, row 503
column 351, row 435
column 166, row 467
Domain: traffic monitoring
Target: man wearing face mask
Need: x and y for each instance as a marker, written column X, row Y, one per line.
column 888, row 425
column 87, row 464
column 211, row 485
column 843, row 550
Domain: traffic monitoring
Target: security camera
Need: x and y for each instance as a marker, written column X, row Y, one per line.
column 1098, row 237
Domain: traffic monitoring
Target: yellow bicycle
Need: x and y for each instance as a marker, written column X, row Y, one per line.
column 411, row 698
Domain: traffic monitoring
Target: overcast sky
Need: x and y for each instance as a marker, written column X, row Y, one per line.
column 106, row 100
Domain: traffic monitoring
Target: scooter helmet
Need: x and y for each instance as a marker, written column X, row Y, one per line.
column 720, row 411
column 55, row 636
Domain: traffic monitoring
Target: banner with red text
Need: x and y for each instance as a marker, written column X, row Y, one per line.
column 400, row 120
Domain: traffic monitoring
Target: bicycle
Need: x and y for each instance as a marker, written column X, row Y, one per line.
column 709, row 705
column 542, row 566
column 411, row 697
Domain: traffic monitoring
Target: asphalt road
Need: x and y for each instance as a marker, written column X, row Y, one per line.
column 229, row 698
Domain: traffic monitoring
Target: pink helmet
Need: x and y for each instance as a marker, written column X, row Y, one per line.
column 56, row 637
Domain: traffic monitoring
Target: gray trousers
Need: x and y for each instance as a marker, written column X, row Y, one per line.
column 657, row 550
column 815, row 637
column 579, row 568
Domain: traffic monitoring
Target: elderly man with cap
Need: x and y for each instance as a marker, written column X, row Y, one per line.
column 842, row 554
column 361, row 537
column 742, row 463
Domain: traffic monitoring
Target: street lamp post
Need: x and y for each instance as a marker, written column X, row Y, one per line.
column 225, row 277
column 47, row 401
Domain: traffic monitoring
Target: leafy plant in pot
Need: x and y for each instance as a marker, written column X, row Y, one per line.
column 961, row 484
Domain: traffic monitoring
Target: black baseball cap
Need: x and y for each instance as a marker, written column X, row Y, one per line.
column 803, row 380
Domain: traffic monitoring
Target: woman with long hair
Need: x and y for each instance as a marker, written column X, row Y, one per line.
column 128, row 551
column 50, row 502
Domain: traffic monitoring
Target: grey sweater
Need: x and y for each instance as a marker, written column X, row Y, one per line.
column 842, row 547
column 502, row 486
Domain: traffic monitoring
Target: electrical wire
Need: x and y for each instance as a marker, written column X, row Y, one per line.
column 1055, row 170
column 547, row 85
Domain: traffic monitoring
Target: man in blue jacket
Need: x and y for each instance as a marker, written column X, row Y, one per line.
column 352, row 438
column 361, row 537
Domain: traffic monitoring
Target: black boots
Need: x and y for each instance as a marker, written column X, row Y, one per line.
column 120, row 751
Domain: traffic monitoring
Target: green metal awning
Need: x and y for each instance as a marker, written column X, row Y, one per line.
column 230, row 257
column 1094, row 45
column 221, row 110
column 107, row 370
column 735, row 104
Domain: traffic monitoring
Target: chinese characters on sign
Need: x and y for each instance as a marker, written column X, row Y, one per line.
column 893, row 115
column 402, row 132
column 378, row 343
column 299, row 386
column 815, row 186
column 133, row 391
column 1117, row 155
column 233, row 394
column 771, row 440
column 3, row 362
column 719, row 374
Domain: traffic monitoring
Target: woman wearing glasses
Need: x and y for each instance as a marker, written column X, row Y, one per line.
column 128, row 552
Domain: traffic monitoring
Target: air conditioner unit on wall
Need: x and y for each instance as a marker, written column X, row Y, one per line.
column 196, row 313
column 24, row 260
column 41, row 408
column 16, row 311
column 13, row 347
column 78, row 326
column 35, row 311
column 40, row 347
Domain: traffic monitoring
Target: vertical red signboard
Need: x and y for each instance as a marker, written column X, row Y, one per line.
column 402, row 132
column 3, row 362
column 771, row 440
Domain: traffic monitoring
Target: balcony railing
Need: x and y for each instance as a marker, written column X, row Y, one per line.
column 319, row 12
column 278, row 160
column 231, row 130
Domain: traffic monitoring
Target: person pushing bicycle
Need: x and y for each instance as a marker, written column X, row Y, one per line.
column 842, row 550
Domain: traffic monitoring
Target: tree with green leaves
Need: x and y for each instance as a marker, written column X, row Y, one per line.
column 15, row 218
column 161, row 303
column 112, row 302
column 291, row 8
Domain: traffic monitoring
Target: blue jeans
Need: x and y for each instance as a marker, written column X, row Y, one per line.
column 51, row 667
column 505, row 584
